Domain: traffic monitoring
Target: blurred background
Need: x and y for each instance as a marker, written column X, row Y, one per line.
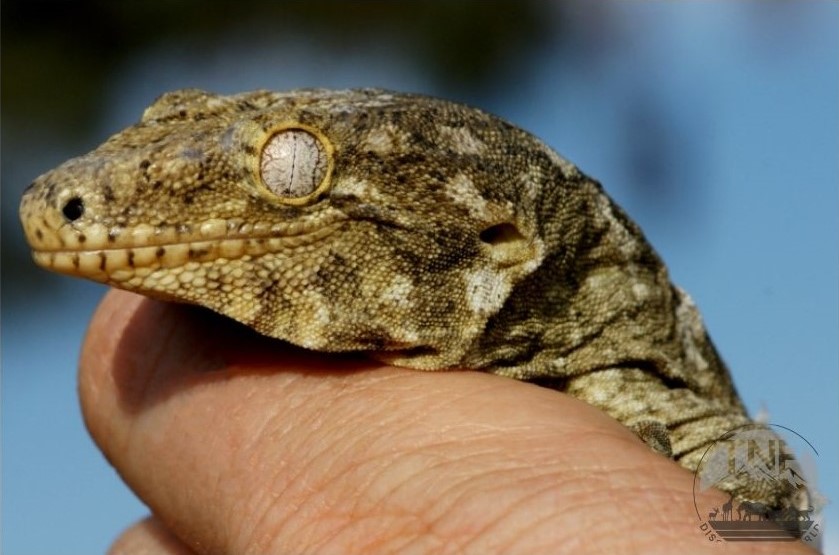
column 715, row 125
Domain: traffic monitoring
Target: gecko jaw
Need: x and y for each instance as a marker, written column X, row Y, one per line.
column 121, row 264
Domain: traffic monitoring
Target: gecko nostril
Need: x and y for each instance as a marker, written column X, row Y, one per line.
column 73, row 209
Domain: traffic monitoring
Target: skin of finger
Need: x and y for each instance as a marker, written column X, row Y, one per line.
column 148, row 537
column 243, row 444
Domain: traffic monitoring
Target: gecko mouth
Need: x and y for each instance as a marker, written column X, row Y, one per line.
column 116, row 265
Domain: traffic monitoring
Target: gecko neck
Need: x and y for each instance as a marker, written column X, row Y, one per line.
column 601, row 299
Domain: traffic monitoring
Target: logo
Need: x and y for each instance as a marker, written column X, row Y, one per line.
column 772, row 500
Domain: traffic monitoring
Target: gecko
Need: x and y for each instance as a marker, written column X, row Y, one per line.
column 425, row 233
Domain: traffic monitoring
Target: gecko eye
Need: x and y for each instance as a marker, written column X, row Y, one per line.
column 294, row 164
column 73, row 209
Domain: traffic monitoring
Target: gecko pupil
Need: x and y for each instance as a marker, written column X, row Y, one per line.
column 73, row 209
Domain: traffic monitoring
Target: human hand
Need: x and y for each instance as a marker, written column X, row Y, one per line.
column 243, row 444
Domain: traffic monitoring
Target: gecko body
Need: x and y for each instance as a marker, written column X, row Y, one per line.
column 428, row 234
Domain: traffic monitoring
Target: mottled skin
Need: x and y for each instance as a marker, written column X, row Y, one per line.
column 431, row 235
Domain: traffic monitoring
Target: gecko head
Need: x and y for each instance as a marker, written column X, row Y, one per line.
column 337, row 220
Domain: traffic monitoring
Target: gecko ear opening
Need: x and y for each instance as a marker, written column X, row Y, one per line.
column 499, row 234
column 506, row 244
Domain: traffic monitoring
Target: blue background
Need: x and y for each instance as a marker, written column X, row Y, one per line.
column 715, row 125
